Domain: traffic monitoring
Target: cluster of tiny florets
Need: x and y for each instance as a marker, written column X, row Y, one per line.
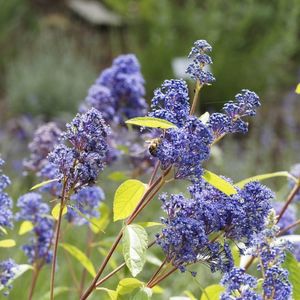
column 5, row 201
column 81, row 163
column 185, row 238
column 119, row 91
column 171, row 102
column 44, row 140
column 85, row 202
column 8, row 269
column 33, row 209
column 200, row 60
column 239, row 286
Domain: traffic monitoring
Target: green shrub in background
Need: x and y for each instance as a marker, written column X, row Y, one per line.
column 48, row 77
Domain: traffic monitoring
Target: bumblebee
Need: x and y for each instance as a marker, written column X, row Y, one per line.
column 153, row 145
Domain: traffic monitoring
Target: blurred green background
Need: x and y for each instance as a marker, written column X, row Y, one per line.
column 52, row 51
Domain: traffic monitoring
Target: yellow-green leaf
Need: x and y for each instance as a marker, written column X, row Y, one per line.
column 212, row 292
column 127, row 196
column 190, row 295
column 25, row 227
column 7, row 243
column 149, row 224
column 80, row 256
column 151, row 122
column 127, row 285
column 219, row 183
column 2, row 229
column 297, row 91
column 113, row 295
column 117, row 176
column 99, row 224
column 266, row 176
column 43, row 183
column 204, row 118
column 135, row 244
column 56, row 209
column 157, row 289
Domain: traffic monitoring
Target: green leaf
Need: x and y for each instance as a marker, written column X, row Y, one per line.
column 157, row 290
column 204, row 118
column 80, row 256
column 117, row 176
column 212, row 292
column 43, row 183
column 297, row 91
column 151, row 122
column 127, row 196
column 149, row 224
column 236, row 255
column 18, row 271
column 56, row 209
column 135, row 244
column 266, row 176
column 219, row 183
column 190, row 295
column 2, row 229
column 99, row 224
column 150, row 258
column 57, row 291
column 144, row 293
column 25, row 227
column 128, row 285
column 291, row 264
column 7, row 243
column 113, row 295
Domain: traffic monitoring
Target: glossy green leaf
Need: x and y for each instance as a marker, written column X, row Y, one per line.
column 80, row 256
column 266, row 176
column 7, row 243
column 43, row 183
column 219, row 183
column 291, row 264
column 18, row 271
column 212, row 292
column 56, row 209
column 135, row 244
column 144, row 293
column 127, row 196
column 204, row 118
column 128, row 285
column 56, row 292
column 99, row 224
column 151, row 122
column 113, row 295
column 25, row 227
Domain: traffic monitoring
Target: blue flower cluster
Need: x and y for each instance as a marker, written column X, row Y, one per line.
column 119, row 91
column 271, row 253
column 8, row 270
column 171, row 102
column 44, row 140
column 190, row 223
column 200, row 60
column 288, row 218
column 245, row 104
column 32, row 208
column 81, row 163
column 5, row 201
column 87, row 201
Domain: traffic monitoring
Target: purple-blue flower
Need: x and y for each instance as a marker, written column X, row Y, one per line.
column 5, row 201
column 288, row 218
column 8, row 269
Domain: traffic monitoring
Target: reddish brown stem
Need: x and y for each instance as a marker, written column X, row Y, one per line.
column 284, row 230
column 157, row 272
column 162, row 278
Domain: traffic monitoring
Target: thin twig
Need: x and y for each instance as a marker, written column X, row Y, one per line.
column 284, row 230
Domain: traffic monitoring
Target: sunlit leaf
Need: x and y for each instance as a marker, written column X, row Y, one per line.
column 219, row 183
column 18, row 271
column 113, row 295
column 157, row 290
column 7, row 243
column 135, row 244
column 144, row 293
column 3, row 230
column 80, row 256
column 128, row 285
column 127, row 196
column 149, row 224
column 43, row 183
column 297, row 91
column 153, row 259
column 151, row 122
column 266, row 176
column 25, row 227
column 204, row 118
column 56, row 209
column 212, row 292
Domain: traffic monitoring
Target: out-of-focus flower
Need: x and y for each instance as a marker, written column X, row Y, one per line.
column 8, row 270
